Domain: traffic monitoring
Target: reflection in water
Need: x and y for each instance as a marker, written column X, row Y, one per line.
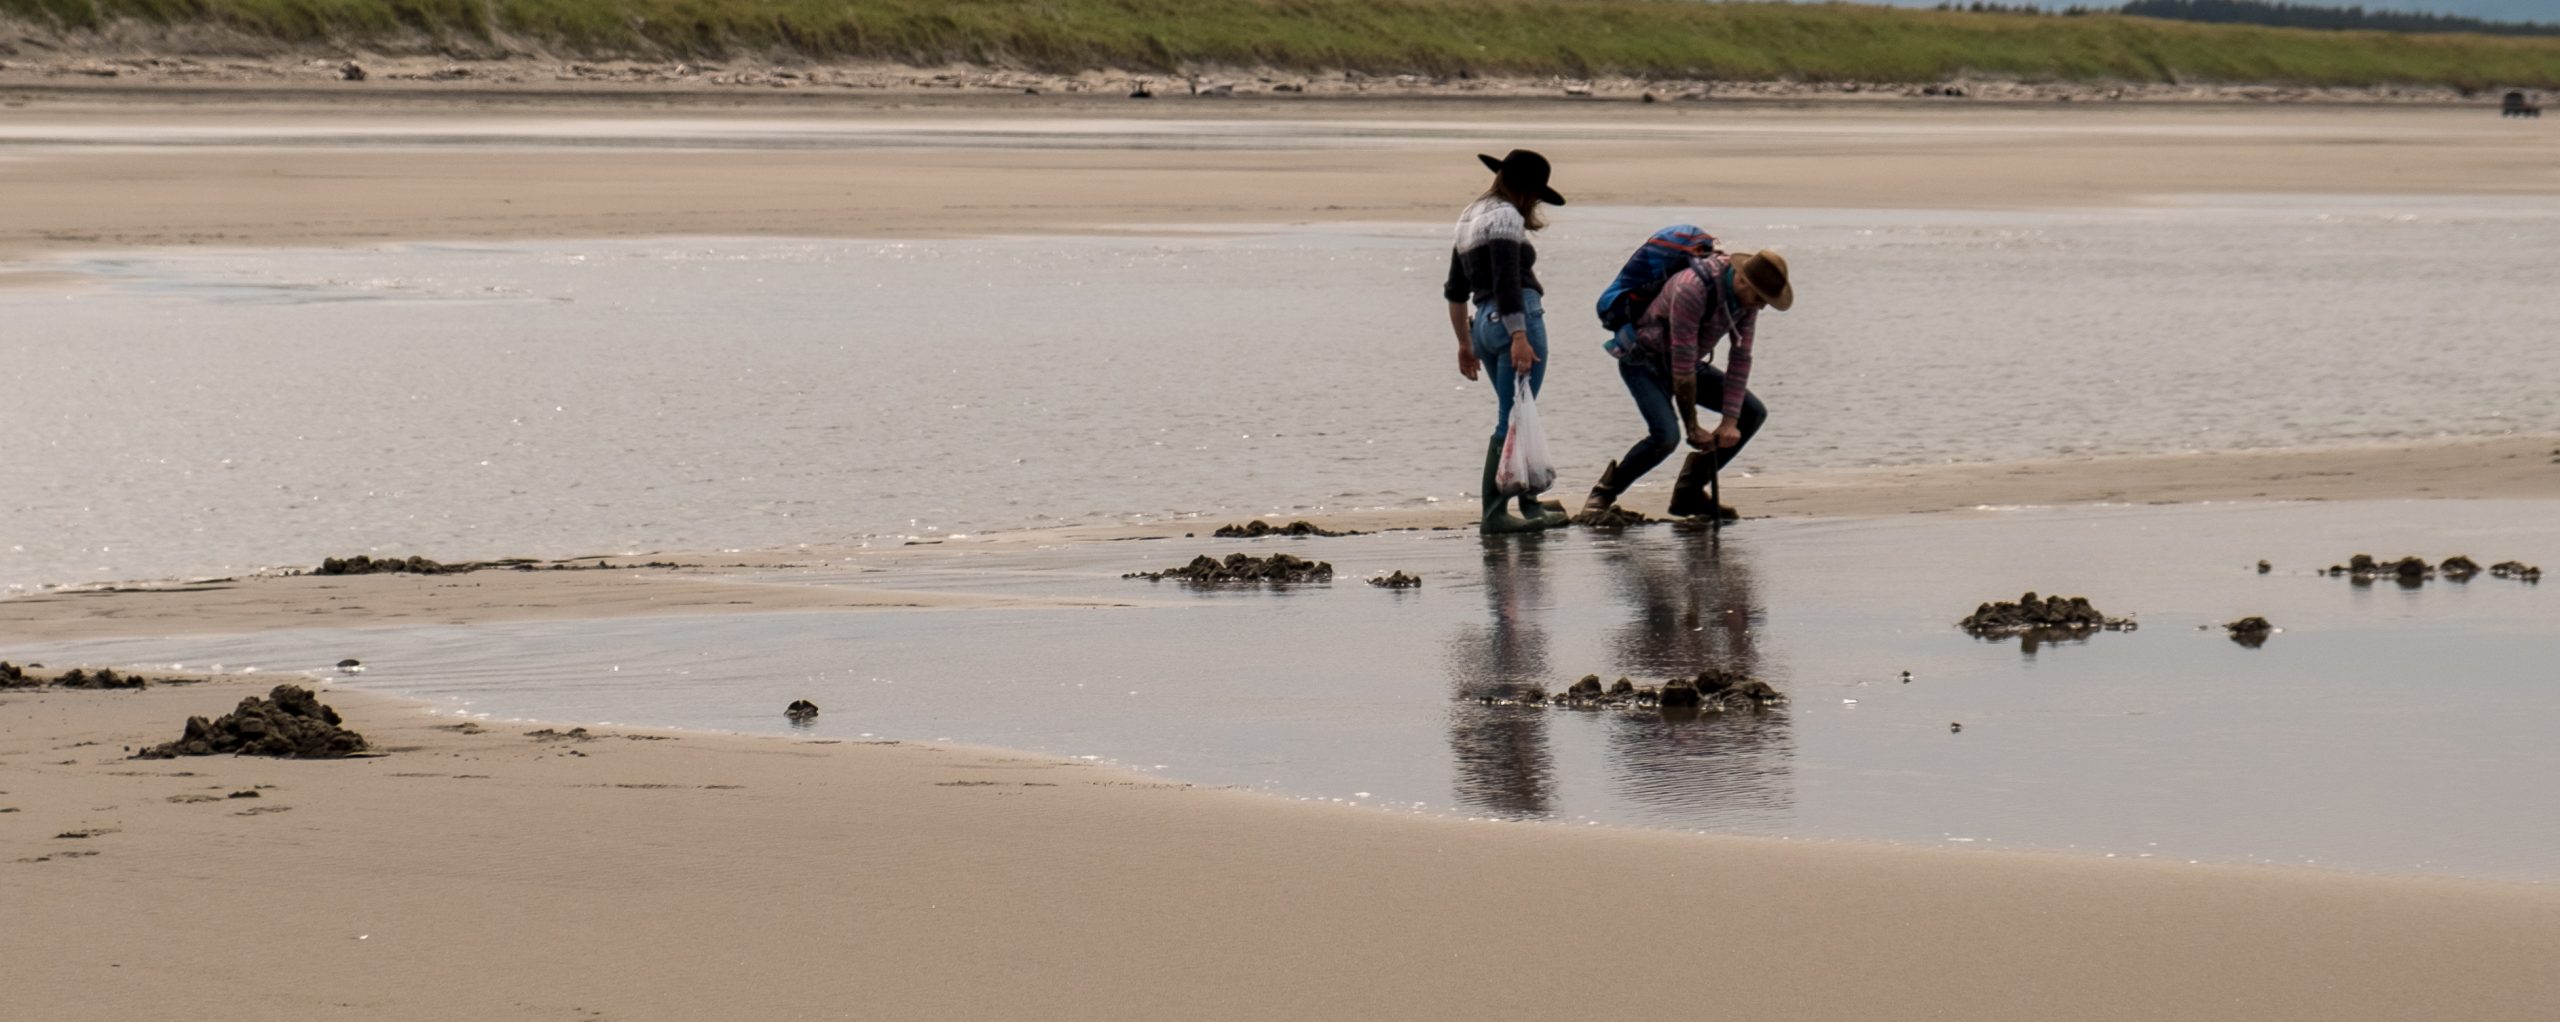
column 2033, row 639
column 1693, row 606
column 1503, row 763
column 1689, row 605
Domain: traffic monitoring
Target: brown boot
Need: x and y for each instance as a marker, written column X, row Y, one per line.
column 1604, row 494
column 1689, row 492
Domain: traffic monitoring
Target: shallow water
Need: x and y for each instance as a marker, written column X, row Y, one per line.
column 193, row 413
column 2383, row 729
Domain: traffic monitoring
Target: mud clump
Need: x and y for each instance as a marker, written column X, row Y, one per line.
column 1257, row 528
column 1207, row 570
column 1732, row 688
column 1710, row 691
column 1613, row 517
column 102, row 678
column 361, row 564
column 290, row 723
column 2250, row 631
column 13, row 676
column 1399, row 580
column 2047, row 617
column 2412, row 572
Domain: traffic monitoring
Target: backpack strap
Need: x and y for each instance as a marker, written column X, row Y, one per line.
column 1720, row 290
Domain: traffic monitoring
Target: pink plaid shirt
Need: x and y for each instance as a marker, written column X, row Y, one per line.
column 1685, row 320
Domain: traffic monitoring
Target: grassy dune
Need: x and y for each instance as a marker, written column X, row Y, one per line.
column 1661, row 38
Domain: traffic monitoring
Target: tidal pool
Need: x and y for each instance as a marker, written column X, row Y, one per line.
column 2386, row 729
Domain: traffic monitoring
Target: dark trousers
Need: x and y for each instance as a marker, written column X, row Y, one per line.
column 1655, row 398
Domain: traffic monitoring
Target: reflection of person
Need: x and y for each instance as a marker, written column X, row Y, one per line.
column 1695, row 607
column 1666, row 369
column 1493, row 263
column 1691, row 608
column 1500, row 752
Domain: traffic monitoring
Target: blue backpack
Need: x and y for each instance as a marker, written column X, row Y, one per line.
column 1669, row 251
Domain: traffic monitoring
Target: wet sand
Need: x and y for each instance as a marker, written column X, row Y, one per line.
column 2307, row 749
column 2517, row 467
column 640, row 875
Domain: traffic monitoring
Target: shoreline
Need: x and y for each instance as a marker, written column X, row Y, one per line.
column 2521, row 467
column 993, row 884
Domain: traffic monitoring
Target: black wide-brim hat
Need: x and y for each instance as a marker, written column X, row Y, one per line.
column 1525, row 171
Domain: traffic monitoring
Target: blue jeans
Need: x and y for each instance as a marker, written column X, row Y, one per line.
column 1493, row 349
column 1659, row 404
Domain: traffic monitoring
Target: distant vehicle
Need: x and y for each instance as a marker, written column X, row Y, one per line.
column 2518, row 105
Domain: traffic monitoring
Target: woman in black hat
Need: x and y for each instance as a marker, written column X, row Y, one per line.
column 1492, row 264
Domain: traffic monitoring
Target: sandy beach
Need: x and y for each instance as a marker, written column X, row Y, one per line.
column 476, row 870
column 540, row 172
column 636, row 874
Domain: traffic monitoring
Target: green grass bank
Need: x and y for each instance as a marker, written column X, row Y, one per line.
column 1648, row 38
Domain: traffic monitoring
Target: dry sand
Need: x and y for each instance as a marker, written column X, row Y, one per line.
column 98, row 194
column 495, row 876
column 684, row 876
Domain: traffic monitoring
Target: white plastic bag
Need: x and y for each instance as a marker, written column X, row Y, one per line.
column 1526, row 467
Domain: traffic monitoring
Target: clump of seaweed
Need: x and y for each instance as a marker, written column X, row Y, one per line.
column 1207, row 570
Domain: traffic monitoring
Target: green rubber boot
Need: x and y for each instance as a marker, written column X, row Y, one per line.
column 1543, row 514
column 1496, row 517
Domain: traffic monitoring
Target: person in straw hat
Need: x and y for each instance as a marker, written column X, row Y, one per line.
column 1667, row 371
column 1492, row 263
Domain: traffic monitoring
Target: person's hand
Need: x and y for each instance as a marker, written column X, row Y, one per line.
column 1523, row 357
column 1701, row 438
column 1467, row 364
column 1728, row 435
